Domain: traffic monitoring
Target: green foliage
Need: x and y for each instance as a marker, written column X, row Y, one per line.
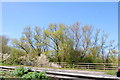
column 61, row 43
column 14, row 57
column 20, row 71
column 23, row 74
column 6, row 74
column 35, row 75
column 4, row 43
column 111, row 72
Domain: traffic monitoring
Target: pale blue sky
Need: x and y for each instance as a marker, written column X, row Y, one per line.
column 101, row 15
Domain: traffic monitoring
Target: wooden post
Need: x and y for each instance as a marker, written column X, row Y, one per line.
column 73, row 66
column 104, row 66
column 88, row 66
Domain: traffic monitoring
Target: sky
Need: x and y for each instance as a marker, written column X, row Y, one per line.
column 101, row 15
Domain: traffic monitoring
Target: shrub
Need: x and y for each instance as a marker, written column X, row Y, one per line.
column 20, row 71
column 42, row 60
column 35, row 75
column 14, row 57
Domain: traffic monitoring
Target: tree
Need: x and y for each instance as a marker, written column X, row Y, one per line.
column 62, row 43
column 56, row 35
column 103, row 46
column 15, row 57
column 111, row 56
column 4, row 48
column 76, row 35
column 86, row 40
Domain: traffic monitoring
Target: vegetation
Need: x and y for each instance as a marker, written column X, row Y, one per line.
column 4, row 48
column 40, row 75
column 23, row 74
column 20, row 71
column 60, row 43
column 35, row 75
column 111, row 72
column 4, row 40
column 4, row 74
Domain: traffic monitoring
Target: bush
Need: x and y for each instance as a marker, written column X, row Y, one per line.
column 35, row 75
column 15, row 57
column 20, row 71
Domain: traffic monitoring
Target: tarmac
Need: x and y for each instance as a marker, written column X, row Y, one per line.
column 72, row 74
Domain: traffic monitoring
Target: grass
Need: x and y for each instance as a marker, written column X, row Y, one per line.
column 111, row 72
column 7, row 64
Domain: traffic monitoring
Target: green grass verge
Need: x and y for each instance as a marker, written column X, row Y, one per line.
column 111, row 72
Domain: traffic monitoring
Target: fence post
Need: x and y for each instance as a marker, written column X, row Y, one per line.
column 88, row 66
column 104, row 66
column 73, row 66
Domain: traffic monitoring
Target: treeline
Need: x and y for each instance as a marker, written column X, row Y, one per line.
column 61, row 43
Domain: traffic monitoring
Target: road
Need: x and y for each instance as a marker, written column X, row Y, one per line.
column 62, row 74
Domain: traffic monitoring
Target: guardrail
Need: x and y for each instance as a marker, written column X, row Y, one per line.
column 99, row 66
column 65, row 74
